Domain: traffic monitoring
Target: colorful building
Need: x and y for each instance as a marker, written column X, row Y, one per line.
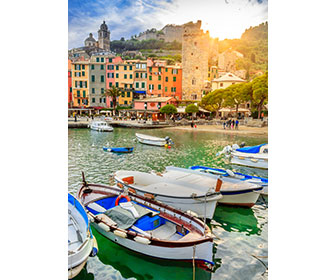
column 110, row 76
column 225, row 81
column 124, row 78
column 70, row 103
column 172, row 82
column 140, row 79
column 97, row 81
column 155, row 72
column 80, row 83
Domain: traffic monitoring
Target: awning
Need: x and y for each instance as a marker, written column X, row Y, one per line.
column 228, row 110
column 140, row 91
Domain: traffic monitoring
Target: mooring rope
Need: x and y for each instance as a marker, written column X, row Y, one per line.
column 194, row 249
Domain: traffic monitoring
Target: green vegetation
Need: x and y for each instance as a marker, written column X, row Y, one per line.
column 254, row 46
column 191, row 109
column 113, row 92
column 131, row 45
column 168, row 109
column 255, row 92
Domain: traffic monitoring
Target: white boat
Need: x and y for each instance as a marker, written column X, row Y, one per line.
column 147, row 226
column 255, row 156
column 152, row 140
column 180, row 195
column 81, row 242
column 100, row 126
column 234, row 191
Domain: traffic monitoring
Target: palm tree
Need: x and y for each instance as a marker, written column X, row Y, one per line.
column 113, row 92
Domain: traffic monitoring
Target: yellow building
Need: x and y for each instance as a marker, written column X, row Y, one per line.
column 226, row 80
column 80, row 83
column 212, row 73
column 124, row 79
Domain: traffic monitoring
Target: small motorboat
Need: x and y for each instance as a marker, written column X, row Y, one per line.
column 100, row 126
column 121, row 150
column 233, row 191
column 152, row 140
column 81, row 242
column 239, row 176
column 178, row 194
column 147, row 226
column 254, row 156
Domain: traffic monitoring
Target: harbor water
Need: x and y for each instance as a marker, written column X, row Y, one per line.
column 241, row 234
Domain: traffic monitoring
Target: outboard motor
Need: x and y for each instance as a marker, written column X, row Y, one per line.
column 168, row 140
column 242, row 144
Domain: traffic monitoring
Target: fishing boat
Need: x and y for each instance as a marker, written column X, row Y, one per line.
column 180, row 195
column 233, row 191
column 100, row 126
column 152, row 140
column 146, row 226
column 121, row 150
column 237, row 175
column 81, row 242
column 254, row 156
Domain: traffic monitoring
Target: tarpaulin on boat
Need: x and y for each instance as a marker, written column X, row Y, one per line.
column 124, row 218
column 251, row 150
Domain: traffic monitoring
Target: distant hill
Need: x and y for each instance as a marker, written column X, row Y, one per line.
column 253, row 44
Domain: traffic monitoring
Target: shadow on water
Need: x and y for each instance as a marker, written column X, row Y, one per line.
column 131, row 264
column 236, row 219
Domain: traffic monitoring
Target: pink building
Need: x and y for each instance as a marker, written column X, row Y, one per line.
column 153, row 103
column 110, row 76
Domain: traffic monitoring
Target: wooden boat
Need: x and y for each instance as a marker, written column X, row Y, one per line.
column 254, row 156
column 233, row 191
column 180, row 195
column 237, row 175
column 100, row 126
column 146, row 226
column 121, row 150
column 152, row 140
column 81, row 242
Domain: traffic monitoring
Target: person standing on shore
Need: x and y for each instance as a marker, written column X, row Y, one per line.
column 224, row 124
column 237, row 123
column 232, row 124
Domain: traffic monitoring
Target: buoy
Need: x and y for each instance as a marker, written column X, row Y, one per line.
column 169, row 147
column 120, row 233
column 166, row 145
column 142, row 240
column 103, row 226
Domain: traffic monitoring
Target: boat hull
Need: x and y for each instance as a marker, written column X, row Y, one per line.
column 105, row 129
column 247, row 199
column 203, row 251
column 249, row 161
column 151, row 142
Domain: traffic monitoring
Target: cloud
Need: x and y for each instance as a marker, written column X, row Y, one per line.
column 224, row 19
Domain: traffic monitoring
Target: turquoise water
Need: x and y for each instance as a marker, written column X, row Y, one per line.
column 240, row 246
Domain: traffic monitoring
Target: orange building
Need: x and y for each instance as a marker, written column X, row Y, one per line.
column 155, row 72
column 80, row 83
column 172, row 83
column 69, row 84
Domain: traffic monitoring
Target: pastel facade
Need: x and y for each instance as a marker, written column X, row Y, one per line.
column 155, row 77
column 153, row 103
column 110, row 76
column 172, row 82
column 124, row 78
column 80, row 83
column 69, row 84
column 97, row 81
column 140, row 79
column 225, row 81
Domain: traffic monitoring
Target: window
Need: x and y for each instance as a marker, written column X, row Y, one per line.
column 131, row 76
column 92, row 67
column 166, row 79
column 159, row 86
column 143, row 85
column 128, row 94
column 117, row 84
column 77, row 67
column 192, row 54
column 166, row 89
column 136, row 75
column 92, row 78
column 84, row 93
column 195, row 43
column 125, row 102
column 104, row 99
column 75, row 84
column 137, row 66
column 125, row 67
column 144, row 66
column 78, row 100
column 102, row 67
column 85, row 84
column 83, row 73
column 123, row 94
column 159, row 78
column 93, row 90
column 80, row 84
column 136, row 85
column 193, row 82
column 125, row 76
column 78, row 93
column 166, row 69
column 102, row 78
column 110, row 60
column 130, row 67
column 117, row 67
column 159, row 69
column 70, row 89
column 175, row 71
column 102, row 59
column 117, row 75
column 196, row 67
column 125, row 85
column 83, row 67
column 172, row 89
column 150, row 78
column 150, row 69
column 102, row 90
column 110, row 84
column 221, row 84
column 174, row 79
column 97, row 59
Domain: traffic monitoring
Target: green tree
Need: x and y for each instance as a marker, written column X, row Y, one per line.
column 113, row 92
column 213, row 101
column 168, row 109
column 235, row 95
column 191, row 109
column 260, row 91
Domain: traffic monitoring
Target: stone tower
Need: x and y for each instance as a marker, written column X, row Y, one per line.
column 195, row 56
column 104, row 37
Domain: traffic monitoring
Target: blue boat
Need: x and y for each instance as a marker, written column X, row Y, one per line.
column 240, row 176
column 121, row 150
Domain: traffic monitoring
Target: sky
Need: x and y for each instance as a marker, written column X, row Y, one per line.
column 223, row 18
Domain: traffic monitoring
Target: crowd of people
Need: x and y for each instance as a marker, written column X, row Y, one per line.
column 231, row 124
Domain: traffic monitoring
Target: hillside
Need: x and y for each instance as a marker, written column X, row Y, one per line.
column 253, row 44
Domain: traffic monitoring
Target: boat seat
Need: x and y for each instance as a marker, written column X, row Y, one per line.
column 106, row 219
column 96, row 207
column 165, row 231
column 191, row 236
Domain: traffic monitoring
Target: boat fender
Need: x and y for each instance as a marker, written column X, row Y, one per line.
column 254, row 160
column 132, row 190
column 94, row 252
column 191, row 213
column 120, row 233
column 235, row 147
column 218, row 185
column 228, row 171
column 103, row 226
column 121, row 196
column 120, row 185
column 142, row 240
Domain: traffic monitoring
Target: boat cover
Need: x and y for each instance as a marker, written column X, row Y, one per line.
column 251, row 150
column 124, row 218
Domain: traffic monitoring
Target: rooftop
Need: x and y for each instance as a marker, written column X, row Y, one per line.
column 228, row 77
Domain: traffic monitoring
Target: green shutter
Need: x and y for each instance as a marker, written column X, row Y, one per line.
column 159, row 87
